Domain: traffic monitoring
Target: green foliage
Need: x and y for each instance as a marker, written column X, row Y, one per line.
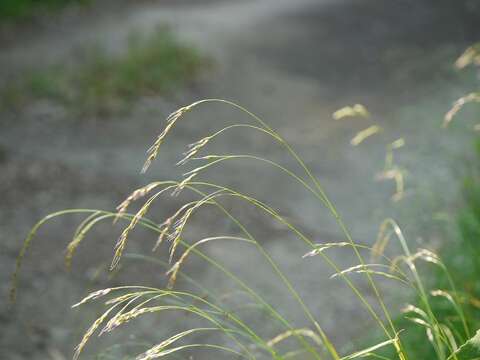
column 21, row 9
column 101, row 84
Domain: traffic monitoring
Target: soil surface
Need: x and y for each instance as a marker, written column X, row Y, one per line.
column 291, row 62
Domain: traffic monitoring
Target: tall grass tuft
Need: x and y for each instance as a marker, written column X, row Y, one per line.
column 242, row 339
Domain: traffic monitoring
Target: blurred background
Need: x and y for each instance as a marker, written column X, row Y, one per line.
column 85, row 87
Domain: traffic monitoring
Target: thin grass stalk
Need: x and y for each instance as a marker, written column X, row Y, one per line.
column 458, row 308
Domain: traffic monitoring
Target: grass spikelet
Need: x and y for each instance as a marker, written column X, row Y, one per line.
column 414, row 309
column 422, row 254
column 129, row 315
column 444, row 294
column 181, row 185
column 426, row 255
column 194, row 149
column 135, row 195
column 289, row 333
column 364, row 134
column 354, row 269
column 167, row 225
column 368, row 269
column 324, row 247
column 180, row 224
column 178, row 227
column 119, row 299
column 351, row 111
column 122, row 240
column 396, row 175
column 117, row 319
column 423, row 323
column 88, row 334
column 179, row 348
column 137, row 311
column 129, row 300
column 458, row 105
column 369, row 351
column 93, row 296
column 152, row 152
column 164, row 227
column 71, row 247
column 470, row 56
column 383, row 238
column 397, row 144
column 150, row 353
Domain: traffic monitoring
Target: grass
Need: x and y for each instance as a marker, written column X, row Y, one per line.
column 442, row 323
column 100, row 84
column 463, row 262
column 462, row 254
column 129, row 302
column 14, row 10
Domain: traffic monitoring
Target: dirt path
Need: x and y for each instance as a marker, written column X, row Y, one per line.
column 293, row 63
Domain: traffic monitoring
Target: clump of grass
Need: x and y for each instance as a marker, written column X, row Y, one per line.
column 461, row 256
column 463, row 264
column 127, row 303
column 102, row 84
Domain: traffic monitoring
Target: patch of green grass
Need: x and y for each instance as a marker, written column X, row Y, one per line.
column 101, row 84
column 21, row 9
